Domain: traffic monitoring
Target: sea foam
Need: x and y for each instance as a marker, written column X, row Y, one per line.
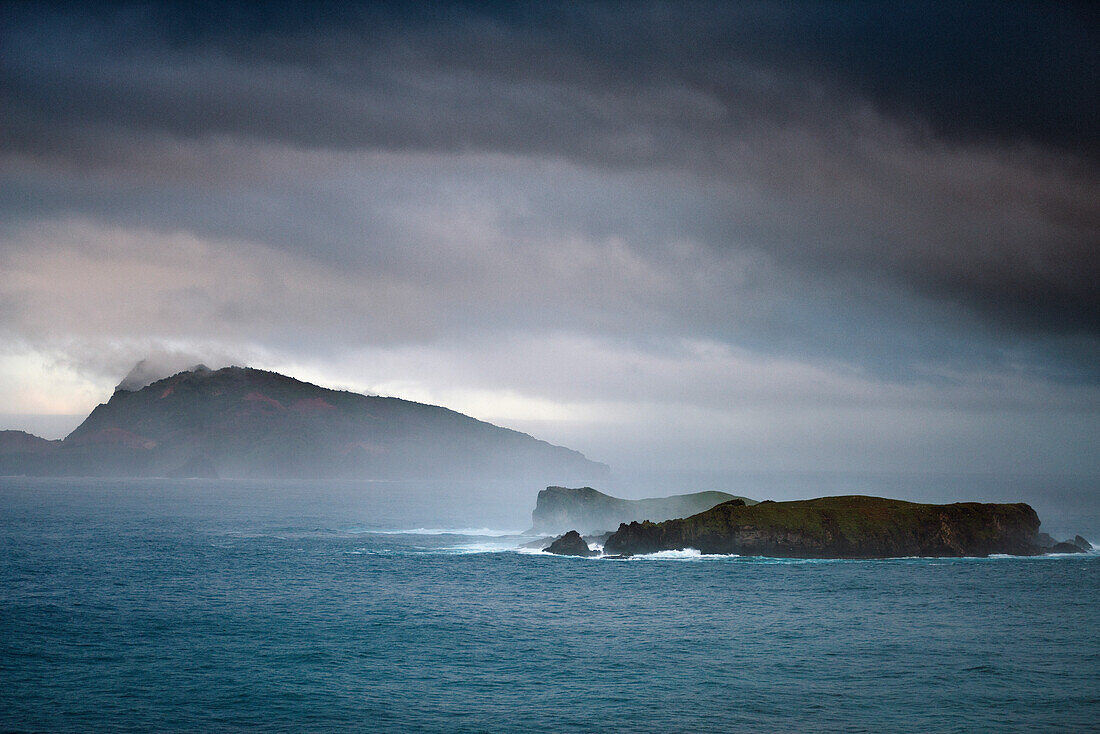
column 471, row 532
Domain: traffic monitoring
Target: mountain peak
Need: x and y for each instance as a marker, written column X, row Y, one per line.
column 153, row 369
column 245, row 422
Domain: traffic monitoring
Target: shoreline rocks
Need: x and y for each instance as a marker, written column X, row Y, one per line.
column 570, row 544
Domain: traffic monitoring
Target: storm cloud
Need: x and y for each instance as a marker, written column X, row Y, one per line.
column 901, row 205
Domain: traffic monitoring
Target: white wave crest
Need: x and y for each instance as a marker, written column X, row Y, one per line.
column 470, row 532
column 686, row 554
column 478, row 548
column 670, row 555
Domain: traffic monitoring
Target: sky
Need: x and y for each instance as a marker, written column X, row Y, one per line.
column 730, row 236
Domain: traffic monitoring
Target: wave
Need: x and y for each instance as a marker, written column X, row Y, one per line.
column 691, row 554
column 496, row 540
column 468, row 548
column 506, row 544
column 469, row 532
column 687, row 554
column 531, row 551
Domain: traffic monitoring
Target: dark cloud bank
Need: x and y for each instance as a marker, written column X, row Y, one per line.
column 904, row 192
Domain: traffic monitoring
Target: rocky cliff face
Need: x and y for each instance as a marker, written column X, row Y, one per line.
column 241, row 422
column 558, row 509
column 840, row 527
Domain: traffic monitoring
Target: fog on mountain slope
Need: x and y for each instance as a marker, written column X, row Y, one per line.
column 241, row 422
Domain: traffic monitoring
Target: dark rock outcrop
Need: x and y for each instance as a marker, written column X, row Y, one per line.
column 1048, row 544
column 570, row 544
column 242, row 422
column 544, row 542
column 840, row 527
column 560, row 508
column 1064, row 547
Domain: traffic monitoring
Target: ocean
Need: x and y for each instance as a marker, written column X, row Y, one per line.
column 182, row 605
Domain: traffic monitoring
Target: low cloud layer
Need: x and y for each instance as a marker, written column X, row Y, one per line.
column 866, row 208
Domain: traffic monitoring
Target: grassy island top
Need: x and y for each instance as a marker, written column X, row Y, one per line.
column 846, row 515
column 838, row 527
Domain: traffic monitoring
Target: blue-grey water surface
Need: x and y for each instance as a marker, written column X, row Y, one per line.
column 221, row 606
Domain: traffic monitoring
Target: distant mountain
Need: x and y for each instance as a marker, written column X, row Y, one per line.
column 558, row 509
column 242, row 422
column 14, row 443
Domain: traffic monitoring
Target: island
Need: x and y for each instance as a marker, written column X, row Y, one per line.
column 591, row 512
column 843, row 527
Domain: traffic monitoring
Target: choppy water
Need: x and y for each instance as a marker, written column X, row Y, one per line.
column 236, row 606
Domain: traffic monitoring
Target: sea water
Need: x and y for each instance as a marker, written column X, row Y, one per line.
column 228, row 606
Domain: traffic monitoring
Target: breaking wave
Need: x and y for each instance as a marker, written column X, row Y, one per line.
column 469, row 532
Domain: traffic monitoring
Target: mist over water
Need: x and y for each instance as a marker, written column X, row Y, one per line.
column 268, row 505
column 1066, row 504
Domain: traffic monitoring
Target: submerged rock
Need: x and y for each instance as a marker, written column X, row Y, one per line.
column 570, row 544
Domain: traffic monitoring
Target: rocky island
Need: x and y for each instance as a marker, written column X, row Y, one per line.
column 571, row 544
column 843, row 527
column 589, row 511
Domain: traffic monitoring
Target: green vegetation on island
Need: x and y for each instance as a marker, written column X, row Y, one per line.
column 840, row 527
